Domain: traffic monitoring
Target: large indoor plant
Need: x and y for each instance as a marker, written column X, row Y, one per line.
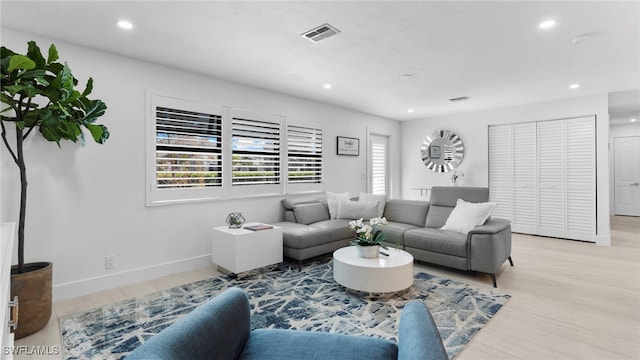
column 40, row 94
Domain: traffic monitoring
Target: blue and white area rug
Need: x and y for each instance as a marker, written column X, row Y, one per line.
column 282, row 297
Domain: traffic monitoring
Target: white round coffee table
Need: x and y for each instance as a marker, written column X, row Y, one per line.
column 383, row 274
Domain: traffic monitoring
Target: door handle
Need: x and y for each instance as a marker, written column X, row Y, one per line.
column 635, row 184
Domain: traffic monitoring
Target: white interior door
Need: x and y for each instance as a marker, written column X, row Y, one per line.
column 627, row 175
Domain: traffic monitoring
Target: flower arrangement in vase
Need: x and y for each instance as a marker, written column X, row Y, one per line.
column 369, row 237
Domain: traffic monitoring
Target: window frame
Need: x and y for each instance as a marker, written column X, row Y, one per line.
column 155, row 196
column 158, row 196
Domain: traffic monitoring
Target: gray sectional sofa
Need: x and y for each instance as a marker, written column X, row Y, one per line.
column 415, row 226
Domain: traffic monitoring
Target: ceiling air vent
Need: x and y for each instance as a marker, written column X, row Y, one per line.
column 462, row 98
column 321, row 32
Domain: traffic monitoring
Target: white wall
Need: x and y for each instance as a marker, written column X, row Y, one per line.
column 473, row 129
column 618, row 130
column 85, row 204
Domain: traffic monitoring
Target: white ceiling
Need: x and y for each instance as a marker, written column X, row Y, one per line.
column 492, row 52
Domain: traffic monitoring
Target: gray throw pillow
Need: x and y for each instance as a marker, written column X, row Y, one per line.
column 310, row 213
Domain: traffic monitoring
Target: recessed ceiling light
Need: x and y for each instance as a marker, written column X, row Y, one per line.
column 406, row 76
column 123, row 24
column 633, row 120
column 327, row 86
column 410, row 110
column 547, row 24
column 574, row 86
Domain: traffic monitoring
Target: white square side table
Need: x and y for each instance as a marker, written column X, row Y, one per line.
column 239, row 250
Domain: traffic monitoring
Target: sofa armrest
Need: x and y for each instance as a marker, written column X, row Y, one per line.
column 217, row 329
column 489, row 246
column 418, row 335
column 492, row 226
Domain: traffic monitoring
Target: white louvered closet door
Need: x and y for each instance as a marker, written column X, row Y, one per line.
column 525, row 212
column 551, row 178
column 543, row 177
column 581, row 179
column 500, row 170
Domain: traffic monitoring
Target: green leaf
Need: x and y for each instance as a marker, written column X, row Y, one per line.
column 5, row 52
column 53, row 54
column 100, row 133
column 55, row 68
column 20, row 62
column 35, row 54
column 94, row 109
column 89, row 88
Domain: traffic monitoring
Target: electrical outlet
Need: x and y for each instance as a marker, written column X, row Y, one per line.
column 109, row 262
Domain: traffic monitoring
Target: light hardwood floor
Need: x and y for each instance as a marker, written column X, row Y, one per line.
column 570, row 300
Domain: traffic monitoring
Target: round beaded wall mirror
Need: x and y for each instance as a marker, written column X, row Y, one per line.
column 442, row 151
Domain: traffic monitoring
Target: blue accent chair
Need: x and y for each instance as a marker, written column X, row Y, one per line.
column 220, row 329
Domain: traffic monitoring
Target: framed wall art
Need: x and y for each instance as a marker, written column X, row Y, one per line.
column 348, row 146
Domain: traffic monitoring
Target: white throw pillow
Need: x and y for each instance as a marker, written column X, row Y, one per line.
column 332, row 202
column 381, row 199
column 465, row 216
column 357, row 210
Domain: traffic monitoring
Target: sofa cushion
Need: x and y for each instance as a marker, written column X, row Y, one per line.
column 406, row 211
column 437, row 240
column 290, row 202
column 310, row 213
column 332, row 202
column 277, row 344
column 380, row 199
column 443, row 200
column 394, row 233
column 448, row 195
column 300, row 236
column 465, row 216
column 357, row 210
column 437, row 216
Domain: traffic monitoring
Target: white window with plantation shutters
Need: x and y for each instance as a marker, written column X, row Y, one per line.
column 185, row 147
column 378, row 165
column 304, row 157
column 197, row 151
column 256, row 140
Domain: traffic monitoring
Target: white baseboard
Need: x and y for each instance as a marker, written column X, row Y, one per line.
column 105, row 282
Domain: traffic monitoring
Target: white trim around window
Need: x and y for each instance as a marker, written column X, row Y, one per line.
column 197, row 151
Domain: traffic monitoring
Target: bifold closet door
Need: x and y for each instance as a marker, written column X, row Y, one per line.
column 525, row 209
column 543, row 177
column 551, row 178
column 501, row 170
column 581, row 179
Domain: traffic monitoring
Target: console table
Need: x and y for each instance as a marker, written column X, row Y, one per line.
column 239, row 250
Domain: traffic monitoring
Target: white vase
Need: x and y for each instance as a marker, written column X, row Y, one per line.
column 368, row 252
